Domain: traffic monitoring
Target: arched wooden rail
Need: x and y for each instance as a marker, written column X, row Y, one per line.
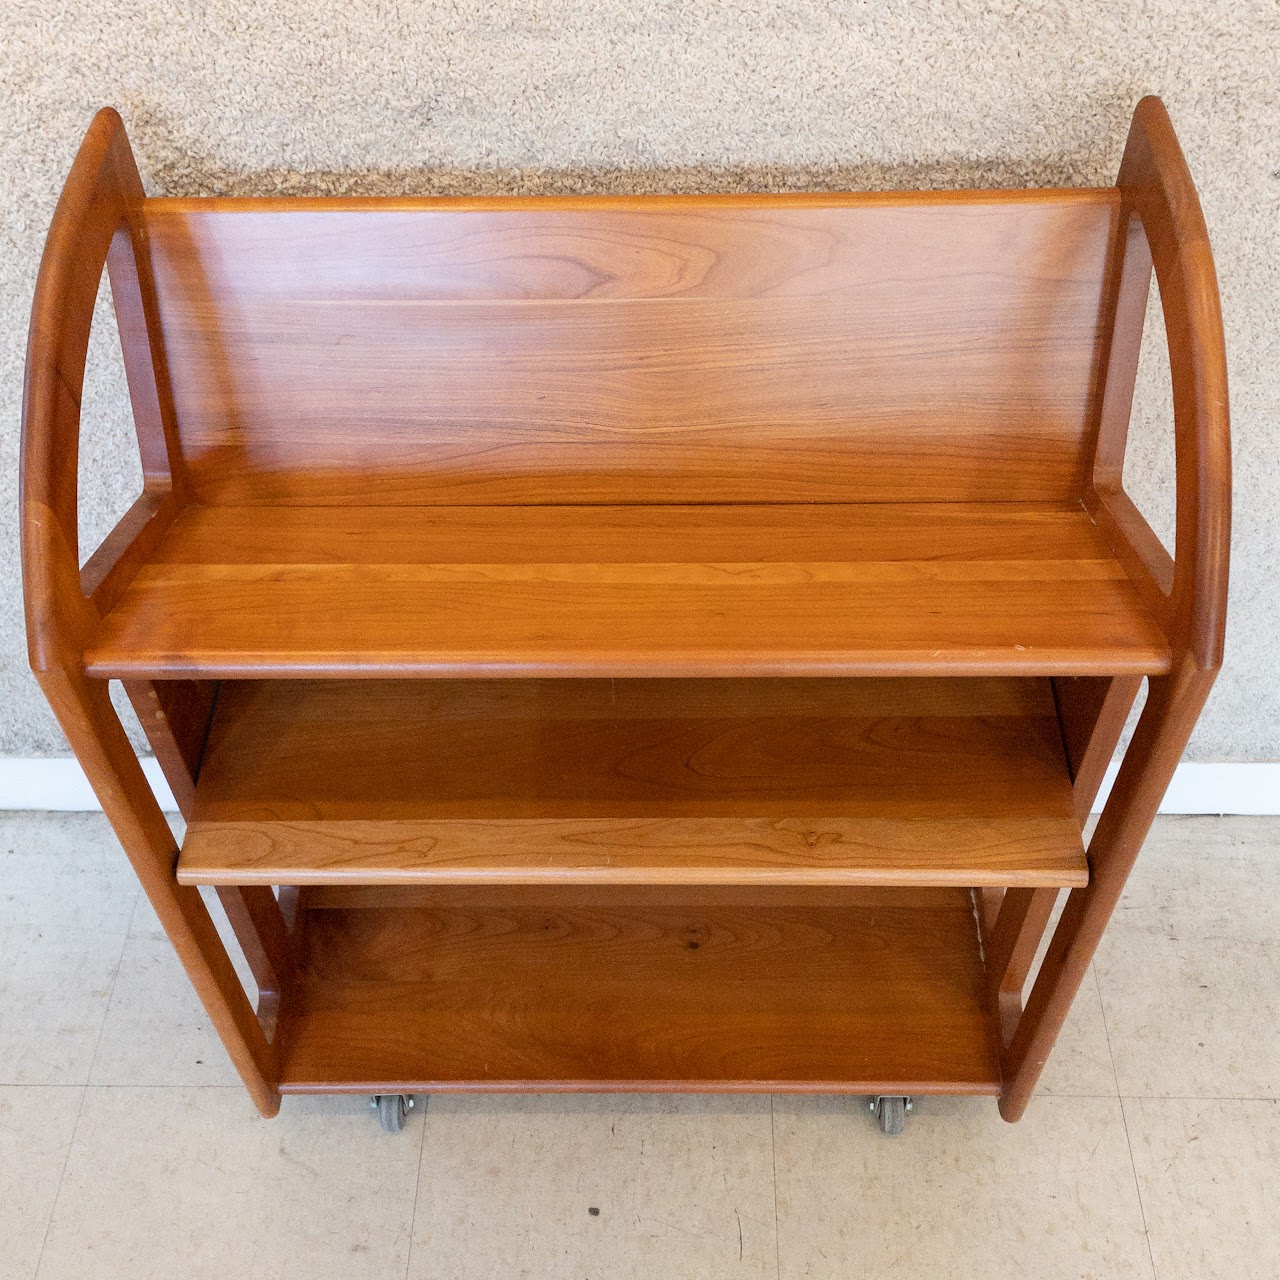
column 635, row 636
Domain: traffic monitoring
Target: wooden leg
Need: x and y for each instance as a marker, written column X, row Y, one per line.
column 290, row 903
column 96, row 735
column 176, row 715
column 1092, row 711
column 1173, row 704
column 1024, row 916
column 989, row 903
column 259, row 926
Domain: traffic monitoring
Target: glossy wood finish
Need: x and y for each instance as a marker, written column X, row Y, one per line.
column 175, row 715
column 1092, row 711
column 877, row 589
column 1163, row 224
column 1164, row 227
column 1011, row 949
column 709, row 989
column 943, row 782
column 634, row 350
column 887, row 434
column 97, row 222
column 259, row 926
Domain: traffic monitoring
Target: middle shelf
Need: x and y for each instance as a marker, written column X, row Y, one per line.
column 914, row 781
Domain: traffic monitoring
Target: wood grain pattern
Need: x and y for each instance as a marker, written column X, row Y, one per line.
column 505, row 991
column 634, row 350
column 1092, row 711
column 1164, row 230
column 1010, row 950
column 630, row 591
column 341, row 382
column 786, row 782
column 175, row 716
column 97, row 223
column 1159, row 196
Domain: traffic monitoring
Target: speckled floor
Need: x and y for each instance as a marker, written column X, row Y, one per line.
column 127, row 1149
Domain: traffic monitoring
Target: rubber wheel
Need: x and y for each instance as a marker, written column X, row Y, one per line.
column 892, row 1114
column 393, row 1110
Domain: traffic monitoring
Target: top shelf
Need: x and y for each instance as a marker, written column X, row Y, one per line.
column 675, row 591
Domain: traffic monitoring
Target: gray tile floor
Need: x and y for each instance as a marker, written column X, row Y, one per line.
column 127, row 1149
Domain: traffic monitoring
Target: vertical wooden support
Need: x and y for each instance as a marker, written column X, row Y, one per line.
column 269, row 950
column 175, row 715
column 1092, row 711
column 96, row 736
column 1173, row 704
column 990, row 900
column 259, row 926
column 96, row 222
column 1011, row 949
column 1162, row 228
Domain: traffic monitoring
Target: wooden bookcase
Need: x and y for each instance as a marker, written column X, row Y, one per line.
column 629, row 643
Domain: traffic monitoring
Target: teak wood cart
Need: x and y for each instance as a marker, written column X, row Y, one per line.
column 632, row 643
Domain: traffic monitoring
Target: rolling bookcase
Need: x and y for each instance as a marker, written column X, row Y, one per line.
column 632, row 643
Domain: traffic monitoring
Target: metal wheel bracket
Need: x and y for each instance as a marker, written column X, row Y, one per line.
column 890, row 1111
column 392, row 1110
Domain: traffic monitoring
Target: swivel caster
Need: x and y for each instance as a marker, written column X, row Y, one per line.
column 393, row 1110
column 890, row 1112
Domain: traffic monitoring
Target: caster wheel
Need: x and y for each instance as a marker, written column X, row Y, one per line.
column 891, row 1114
column 393, row 1110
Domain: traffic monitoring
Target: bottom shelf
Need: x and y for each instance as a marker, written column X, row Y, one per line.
column 849, row 990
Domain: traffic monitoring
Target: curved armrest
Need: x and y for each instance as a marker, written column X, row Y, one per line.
column 1163, row 226
column 96, row 222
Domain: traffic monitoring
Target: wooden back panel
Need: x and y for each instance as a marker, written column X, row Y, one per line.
column 916, row 347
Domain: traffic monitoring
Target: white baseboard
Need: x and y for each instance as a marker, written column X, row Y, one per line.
column 1215, row 788
column 43, row 783
column 1196, row 788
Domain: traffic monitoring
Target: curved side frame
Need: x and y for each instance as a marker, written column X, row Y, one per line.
column 97, row 222
column 1161, row 226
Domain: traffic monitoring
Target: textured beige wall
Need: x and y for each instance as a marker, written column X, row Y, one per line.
column 238, row 96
